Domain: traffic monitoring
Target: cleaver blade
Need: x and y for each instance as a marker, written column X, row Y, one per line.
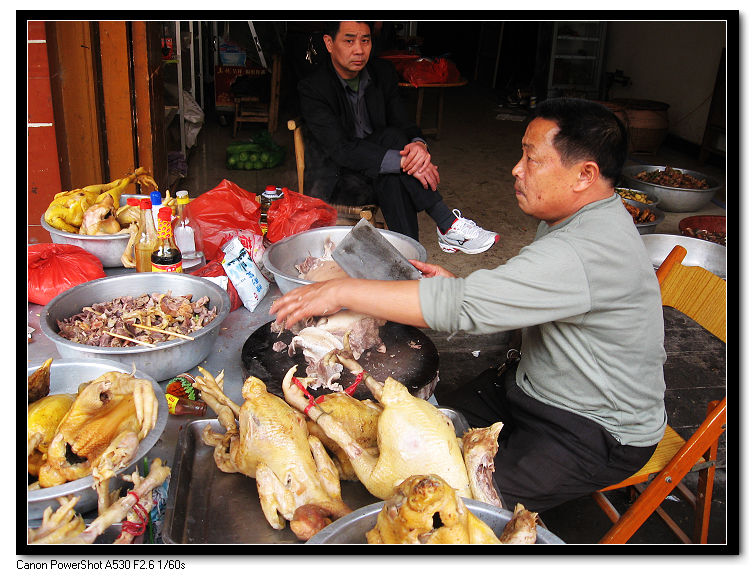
column 364, row 253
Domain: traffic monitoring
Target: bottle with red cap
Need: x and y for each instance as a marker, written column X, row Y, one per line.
column 147, row 240
column 166, row 257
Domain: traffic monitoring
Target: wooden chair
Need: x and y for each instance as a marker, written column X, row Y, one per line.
column 347, row 215
column 701, row 295
column 249, row 108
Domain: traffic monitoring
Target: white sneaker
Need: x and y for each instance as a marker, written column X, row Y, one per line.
column 466, row 236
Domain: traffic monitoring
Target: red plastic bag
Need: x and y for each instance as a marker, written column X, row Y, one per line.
column 438, row 71
column 225, row 208
column 296, row 213
column 215, row 269
column 53, row 268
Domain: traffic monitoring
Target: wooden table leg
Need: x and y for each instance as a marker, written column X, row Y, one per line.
column 440, row 114
column 420, row 97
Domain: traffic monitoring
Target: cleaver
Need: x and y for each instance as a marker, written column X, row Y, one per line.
column 364, row 253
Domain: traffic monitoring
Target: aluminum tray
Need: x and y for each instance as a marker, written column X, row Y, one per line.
column 65, row 377
column 352, row 529
column 208, row 506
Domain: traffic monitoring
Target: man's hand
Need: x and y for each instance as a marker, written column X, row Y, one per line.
column 431, row 270
column 416, row 162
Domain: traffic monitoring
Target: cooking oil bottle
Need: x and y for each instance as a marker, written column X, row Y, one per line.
column 147, row 240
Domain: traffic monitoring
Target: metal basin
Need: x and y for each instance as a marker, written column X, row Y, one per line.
column 107, row 248
column 65, row 377
column 282, row 257
column 353, row 527
column 165, row 360
column 647, row 227
column 672, row 199
column 701, row 253
column 653, row 199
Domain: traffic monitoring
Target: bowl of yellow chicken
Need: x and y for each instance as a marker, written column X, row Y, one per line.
column 98, row 415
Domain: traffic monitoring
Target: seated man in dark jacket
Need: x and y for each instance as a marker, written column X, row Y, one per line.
column 363, row 148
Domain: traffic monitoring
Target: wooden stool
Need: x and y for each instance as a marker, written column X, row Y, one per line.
column 250, row 109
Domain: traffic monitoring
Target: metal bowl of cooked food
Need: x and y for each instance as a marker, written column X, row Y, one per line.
column 646, row 218
column 678, row 190
column 161, row 323
column 288, row 258
column 638, row 196
column 53, row 459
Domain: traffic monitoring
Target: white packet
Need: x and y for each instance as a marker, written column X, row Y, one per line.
column 244, row 274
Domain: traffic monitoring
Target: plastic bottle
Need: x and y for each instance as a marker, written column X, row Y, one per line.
column 183, row 406
column 166, row 257
column 157, row 203
column 188, row 236
column 147, row 240
column 270, row 194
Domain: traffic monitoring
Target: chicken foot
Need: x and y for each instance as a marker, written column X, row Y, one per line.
column 63, row 526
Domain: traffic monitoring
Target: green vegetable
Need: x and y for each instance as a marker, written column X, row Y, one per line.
column 258, row 165
column 254, row 157
column 233, row 160
column 243, row 156
column 249, row 165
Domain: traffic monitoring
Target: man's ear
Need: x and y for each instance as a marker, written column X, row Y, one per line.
column 328, row 42
column 589, row 173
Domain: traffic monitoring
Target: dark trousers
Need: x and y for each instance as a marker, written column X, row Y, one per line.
column 546, row 455
column 400, row 196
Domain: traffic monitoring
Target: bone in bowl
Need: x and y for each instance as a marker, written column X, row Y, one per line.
column 282, row 257
column 166, row 359
column 65, row 377
column 646, row 227
column 672, row 199
column 353, row 527
column 108, row 248
column 701, row 253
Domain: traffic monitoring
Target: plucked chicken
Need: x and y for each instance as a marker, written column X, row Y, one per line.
column 411, row 513
column 101, row 431
column 43, row 418
column 424, row 509
column 413, row 438
column 296, row 479
column 39, row 382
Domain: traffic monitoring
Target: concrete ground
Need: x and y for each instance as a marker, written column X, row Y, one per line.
column 475, row 156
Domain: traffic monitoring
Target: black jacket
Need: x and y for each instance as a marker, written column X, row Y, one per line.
column 330, row 142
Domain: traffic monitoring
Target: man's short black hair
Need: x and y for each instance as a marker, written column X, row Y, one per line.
column 588, row 130
column 331, row 28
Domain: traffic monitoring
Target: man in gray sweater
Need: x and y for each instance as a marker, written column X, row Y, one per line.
column 584, row 408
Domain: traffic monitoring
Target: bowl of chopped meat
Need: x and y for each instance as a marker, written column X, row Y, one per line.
column 709, row 228
column 646, row 218
column 677, row 190
column 161, row 323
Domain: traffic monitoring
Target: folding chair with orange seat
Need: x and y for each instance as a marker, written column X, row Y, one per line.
column 347, row 215
column 701, row 295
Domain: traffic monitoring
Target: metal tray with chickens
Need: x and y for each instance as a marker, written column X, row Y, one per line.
column 208, row 506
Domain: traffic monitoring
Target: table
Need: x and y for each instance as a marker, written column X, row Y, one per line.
column 421, row 95
column 226, row 355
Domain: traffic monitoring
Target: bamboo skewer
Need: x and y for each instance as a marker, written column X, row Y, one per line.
column 166, row 332
column 129, row 339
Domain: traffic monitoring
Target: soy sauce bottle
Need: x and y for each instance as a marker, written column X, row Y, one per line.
column 167, row 256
